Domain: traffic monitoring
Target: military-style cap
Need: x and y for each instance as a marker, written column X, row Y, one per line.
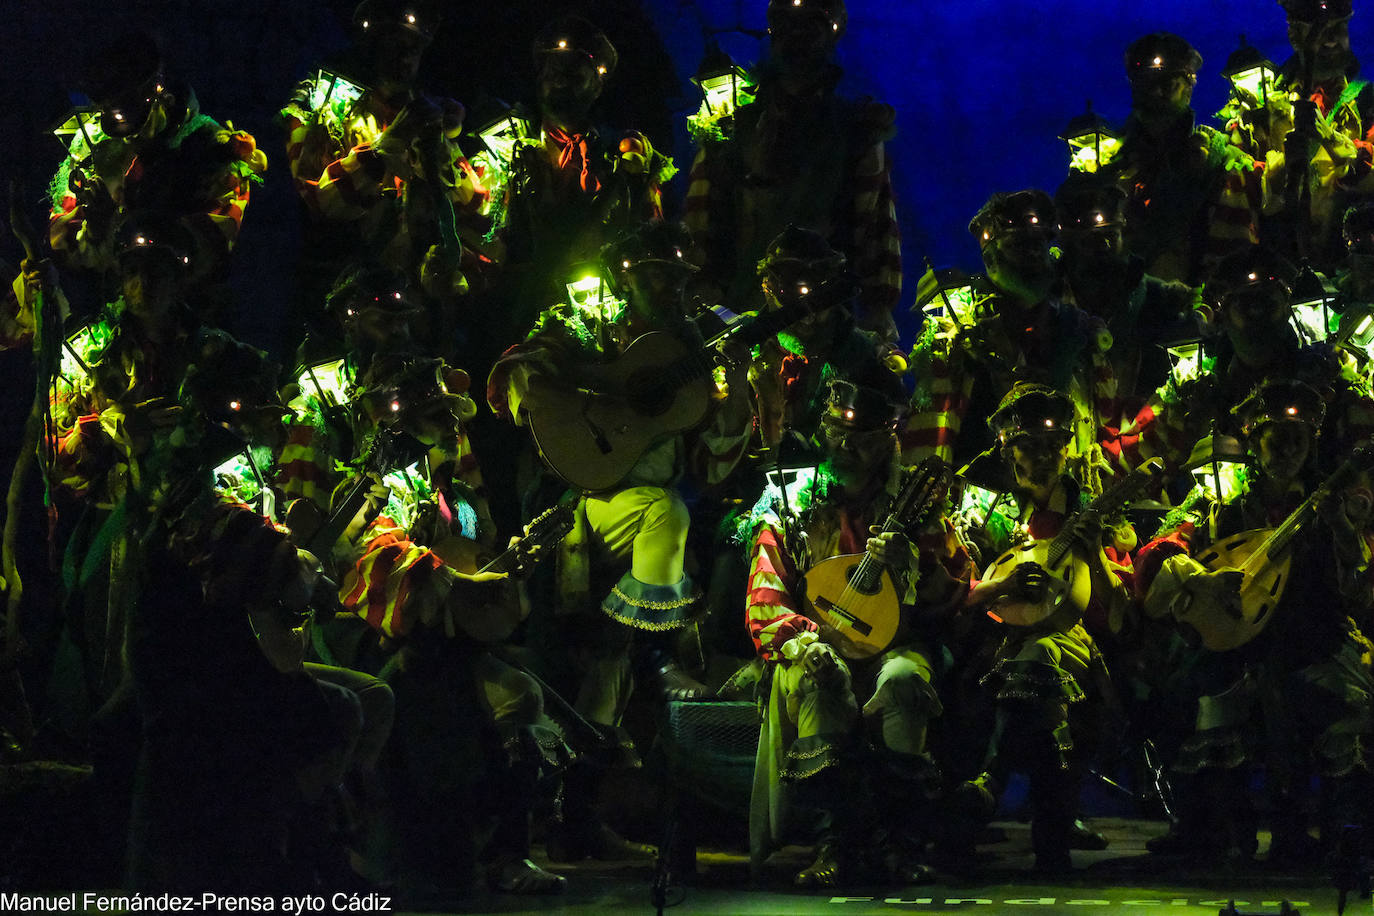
column 1031, row 209
column 655, row 242
column 1161, row 54
column 1280, row 401
column 148, row 232
column 228, row 379
column 832, row 10
column 860, row 409
column 1254, row 268
column 1084, row 202
column 1358, row 222
column 124, row 78
column 1030, row 409
column 575, row 35
column 370, row 286
column 396, row 384
column 377, row 17
column 1316, row 11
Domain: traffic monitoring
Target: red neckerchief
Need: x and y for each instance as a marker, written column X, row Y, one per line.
column 574, row 144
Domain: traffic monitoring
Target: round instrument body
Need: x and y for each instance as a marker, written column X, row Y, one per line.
column 1068, row 591
column 861, row 624
column 1221, row 628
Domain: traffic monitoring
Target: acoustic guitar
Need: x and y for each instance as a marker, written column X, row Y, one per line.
column 1069, row 580
column 593, row 436
column 1264, row 557
column 853, row 596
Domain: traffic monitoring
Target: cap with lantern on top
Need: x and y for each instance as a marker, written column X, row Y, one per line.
column 1031, row 409
column 1280, row 401
column 574, row 35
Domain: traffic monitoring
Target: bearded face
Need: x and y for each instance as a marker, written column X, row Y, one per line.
column 569, row 86
column 1036, row 461
column 1019, row 262
column 1325, row 44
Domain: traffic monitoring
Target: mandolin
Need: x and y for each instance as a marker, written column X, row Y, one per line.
column 1264, row 558
column 853, row 596
column 1069, row 581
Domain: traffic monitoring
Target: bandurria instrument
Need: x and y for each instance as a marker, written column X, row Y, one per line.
column 1264, row 557
column 1069, row 581
column 852, row 596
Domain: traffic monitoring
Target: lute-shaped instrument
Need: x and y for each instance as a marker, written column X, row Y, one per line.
column 1265, row 558
column 1069, row 580
column 853, row 596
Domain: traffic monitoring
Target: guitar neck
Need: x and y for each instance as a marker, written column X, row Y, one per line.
column 1299, row 518
column 1103, row 506
column 747, row 333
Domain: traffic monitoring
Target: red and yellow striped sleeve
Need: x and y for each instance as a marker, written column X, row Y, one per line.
column 771, row 609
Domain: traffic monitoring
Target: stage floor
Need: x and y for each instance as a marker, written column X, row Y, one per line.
column 1121, row 879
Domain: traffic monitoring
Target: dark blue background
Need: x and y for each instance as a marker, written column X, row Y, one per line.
column 982, row 88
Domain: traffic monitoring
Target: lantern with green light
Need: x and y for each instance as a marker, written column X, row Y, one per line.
column 333, row 96
column 948, row 293
column 1185, row 359
column 503, row 132
column 79, row 131
column 592, row 295
column 1092, row 141
column 725, row 86
column 1217, row 463
column 1250, row 74
column 1312, row 306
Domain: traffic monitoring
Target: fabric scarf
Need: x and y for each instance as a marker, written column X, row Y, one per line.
column 575, row 144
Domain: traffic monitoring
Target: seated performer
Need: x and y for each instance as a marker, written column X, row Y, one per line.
column 631, row 521
column 813, row 742
column 1044, row 671
column 408, row 562
column 1283, row 676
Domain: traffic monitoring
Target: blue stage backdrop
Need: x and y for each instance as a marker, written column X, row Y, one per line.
column 982, row 87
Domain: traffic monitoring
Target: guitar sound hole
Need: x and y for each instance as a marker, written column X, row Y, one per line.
column 1208, row 557
column 1264, row 609
column 647, row 394
column 1278, row 583
column 859, row 585
column 1236, row 543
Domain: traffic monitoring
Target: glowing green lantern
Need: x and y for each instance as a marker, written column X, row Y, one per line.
column 333, row 96
column 1311, row 316
column 79, row 131
column 1250, row 73
column 1185, row 359
column 1092, row 141
column 953, row 295
column 1217, row 464
column 722, row 82
column 502, row 133
column 591, row 295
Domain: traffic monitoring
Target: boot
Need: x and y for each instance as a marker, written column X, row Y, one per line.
column 827, row 869
column 522, row 876
column 660, row 671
